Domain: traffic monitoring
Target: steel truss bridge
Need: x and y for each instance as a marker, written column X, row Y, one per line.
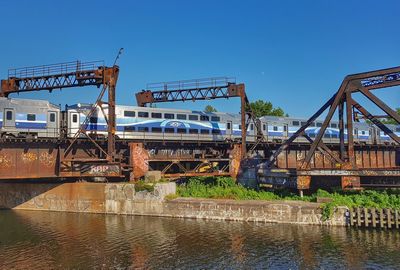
column 293, row 163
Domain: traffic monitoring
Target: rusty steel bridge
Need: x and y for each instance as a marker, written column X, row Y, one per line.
column 299, row 162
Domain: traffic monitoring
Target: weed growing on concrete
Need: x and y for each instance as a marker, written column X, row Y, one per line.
column 143, row 186
column 226, row 188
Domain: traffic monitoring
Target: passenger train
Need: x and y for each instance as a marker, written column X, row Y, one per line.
column 39, row 118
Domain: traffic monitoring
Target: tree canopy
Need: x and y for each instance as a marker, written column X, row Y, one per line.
column 263, row 108
column 210, row 109
column 391, row 121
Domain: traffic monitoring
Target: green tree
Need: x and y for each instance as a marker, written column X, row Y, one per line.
column 391, row 121
column 263, row 108
column 210, row 109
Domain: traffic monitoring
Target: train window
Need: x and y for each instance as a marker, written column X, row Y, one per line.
column 264, row 127
column 9, row 115
column 143, row 114
column 295, row 123
column 327, row 135
column 193, row 117
column 251, row 127
column 215, row 118
column 275, row 128
column 143, row 129
column 129, row 128
column 397, row 129
column 74, row 118
column 193, row 131
column 362, row 132
column 334, row 135
column 156, row 129
column 129, row 113
column 333, row 125
column 312, row 124
column 303, row 123
column 169, row 130
column 311, row 135
column 284, row 128
column 181, row 116
column 204, row 131
column 52, row 117
column 319, row 124
column 31, row 117
column 169, row 116
column 93, row 119
column 240, row 127
column 181, row 130
column 228, row 125
column 156, row 115
column 204, row 118
column 216, row 131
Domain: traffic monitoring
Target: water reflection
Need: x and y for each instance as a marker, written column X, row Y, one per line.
column 50, row 240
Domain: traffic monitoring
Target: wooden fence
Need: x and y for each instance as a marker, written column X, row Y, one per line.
column 372, row 217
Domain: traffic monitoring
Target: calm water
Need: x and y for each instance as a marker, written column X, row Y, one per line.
column 49, row 240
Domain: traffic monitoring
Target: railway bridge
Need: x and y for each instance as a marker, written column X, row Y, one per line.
column 300, row 162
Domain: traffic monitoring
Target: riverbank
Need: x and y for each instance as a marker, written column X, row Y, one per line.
column 122, row 198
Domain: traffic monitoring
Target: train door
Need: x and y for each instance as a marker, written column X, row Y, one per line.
column 265, row 130
column 74, row 124
column 285, row 130
column 229, row 128
column 52, row 124
column 9, row 118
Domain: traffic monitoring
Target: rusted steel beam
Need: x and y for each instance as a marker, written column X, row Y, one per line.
column 350, row 134
column 323, row 148
column 360, row 172
column 190, row 90
column 341, row 131
column 204, row 89
column 391, row 113
column 50, row 77
column 378, row 123
column 299, row 132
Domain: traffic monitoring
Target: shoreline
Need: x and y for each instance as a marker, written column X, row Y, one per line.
column 122, row 199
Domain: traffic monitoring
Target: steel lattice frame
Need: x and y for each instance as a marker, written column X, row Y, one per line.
column 343, row 101
column 67, row 75
column 204, row 89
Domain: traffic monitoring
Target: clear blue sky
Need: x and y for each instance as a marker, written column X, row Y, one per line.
column 292, row 53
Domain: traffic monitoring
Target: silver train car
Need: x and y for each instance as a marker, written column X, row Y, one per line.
column 38, row 118
column 29, row 118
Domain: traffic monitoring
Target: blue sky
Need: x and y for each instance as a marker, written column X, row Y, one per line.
column 292, row 53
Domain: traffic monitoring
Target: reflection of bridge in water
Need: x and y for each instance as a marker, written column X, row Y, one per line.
column 67, row 240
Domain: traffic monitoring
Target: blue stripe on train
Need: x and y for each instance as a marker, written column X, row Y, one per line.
column 103, row 127
column 30, row 125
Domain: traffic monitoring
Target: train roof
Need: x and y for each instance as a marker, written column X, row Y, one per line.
column 87, row 106
column 28, row 102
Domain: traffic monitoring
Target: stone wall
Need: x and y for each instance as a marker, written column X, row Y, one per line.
column 121, row 198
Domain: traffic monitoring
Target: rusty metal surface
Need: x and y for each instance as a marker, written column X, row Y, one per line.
column 349, row 159
column 139, row 158
column 206, row 89
column 59, row 76
column 55, row 76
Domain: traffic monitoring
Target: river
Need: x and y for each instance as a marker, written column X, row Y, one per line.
column 55, row 240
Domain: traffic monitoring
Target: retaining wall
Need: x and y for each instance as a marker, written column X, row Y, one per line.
column 121, row 198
